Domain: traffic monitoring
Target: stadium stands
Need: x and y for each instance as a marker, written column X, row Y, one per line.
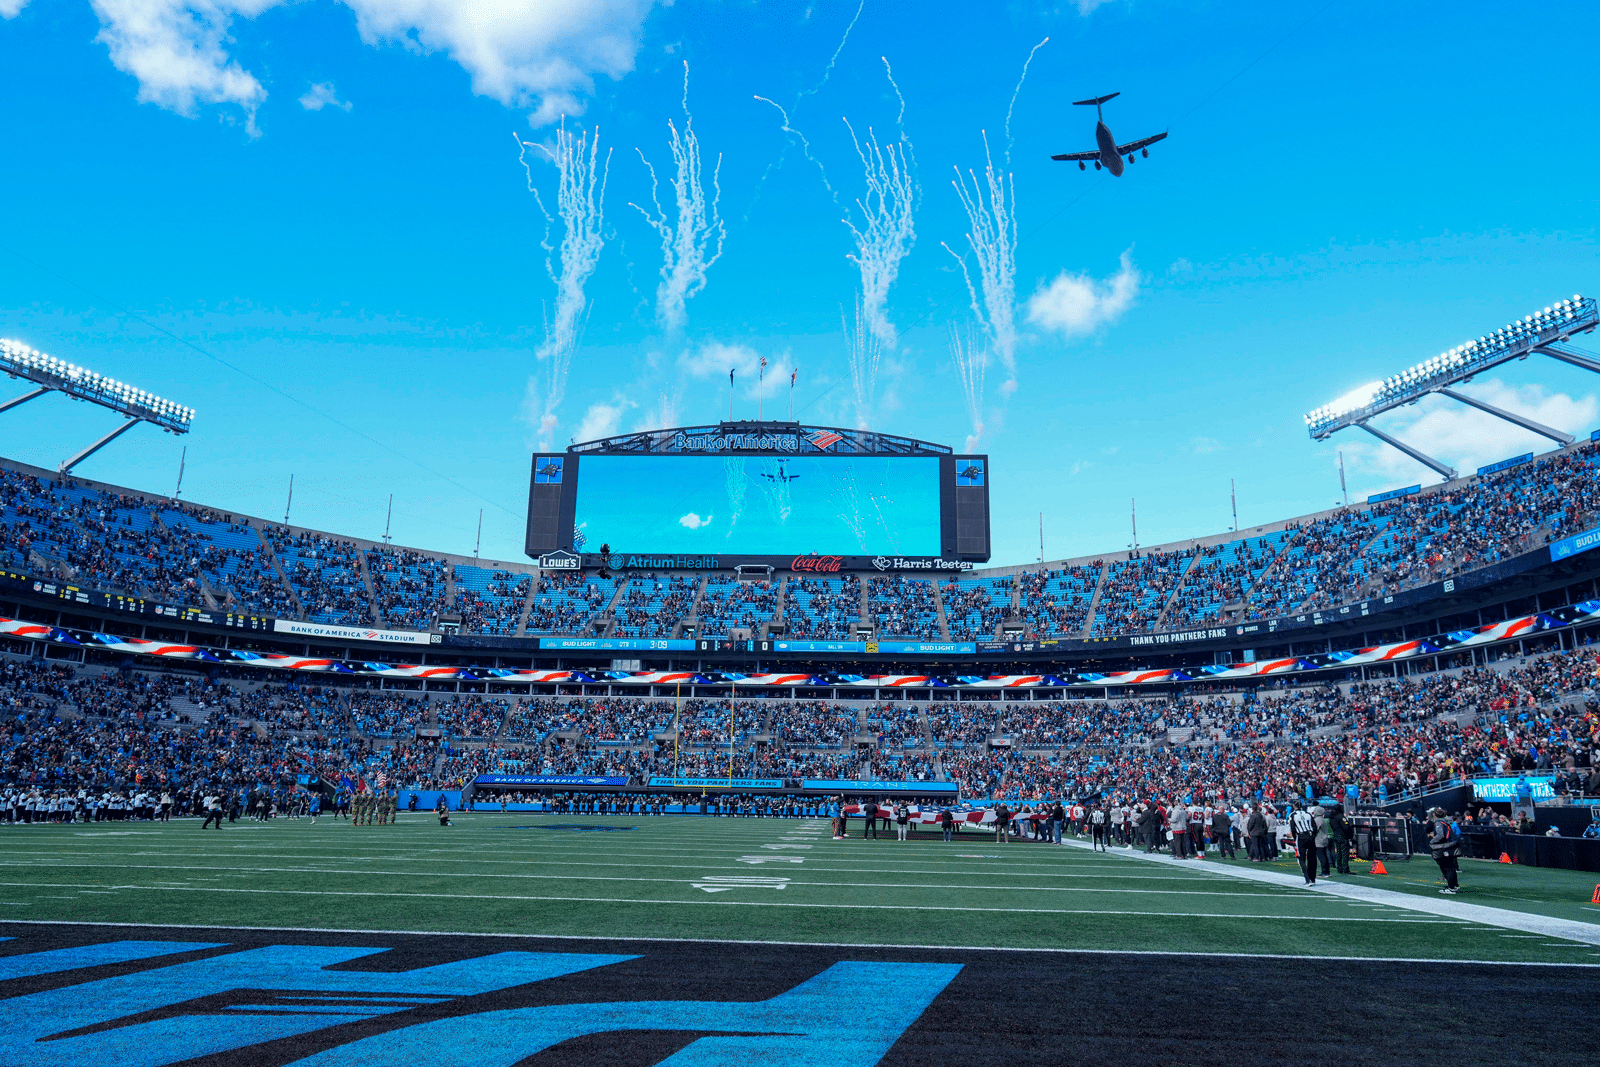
column 409, row 588
column 653, row 605
column 325, row 575
column 729, row 604
column 490, row 601
column 974, row 607
column 904, row 607
column 80, row 727
column 570, row 603
column 823, row 608
column 190, row 556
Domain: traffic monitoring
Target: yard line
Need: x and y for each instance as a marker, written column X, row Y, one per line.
column 673, row 881
column 738, row 903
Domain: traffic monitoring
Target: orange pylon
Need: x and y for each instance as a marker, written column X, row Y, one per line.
column 1378, row 868
column 1596, row 898
column 1505, row 858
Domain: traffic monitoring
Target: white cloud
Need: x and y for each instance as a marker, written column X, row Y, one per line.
column 603, row 420
column 695, row 522
column 175, row 49
column 540, row 55
column 1076, row 304
column 322, row 95
column 1463, row 436
column 1206, row 445
column 10, row 9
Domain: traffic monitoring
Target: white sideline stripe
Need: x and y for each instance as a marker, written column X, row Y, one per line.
column 1549, row 926
column 724, row 903
column 53, row 859
column 162, row 883
column 808, row 944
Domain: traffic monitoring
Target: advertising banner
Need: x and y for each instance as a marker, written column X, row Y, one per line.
column 850, row 785
column 350, row 633
column 716, row 783
column 926, row 648
column 1505, row 789
column 576, row 780
column 1571, row 546
column 819, row 646
column 617, row 644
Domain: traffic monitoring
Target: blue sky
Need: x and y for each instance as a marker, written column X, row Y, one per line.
column 327, row 200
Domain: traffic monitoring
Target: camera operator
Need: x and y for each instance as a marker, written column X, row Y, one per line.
column 1445, row 841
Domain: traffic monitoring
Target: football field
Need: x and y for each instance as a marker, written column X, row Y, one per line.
column 746, row 910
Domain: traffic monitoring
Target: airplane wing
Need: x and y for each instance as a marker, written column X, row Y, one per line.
column 1144, row 142
column 1085, row 156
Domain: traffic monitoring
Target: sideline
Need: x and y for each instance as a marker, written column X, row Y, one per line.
column 1549, row 926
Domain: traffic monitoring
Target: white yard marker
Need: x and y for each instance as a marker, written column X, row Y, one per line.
column 779, row 848
column 721, row 883
column 771, row 859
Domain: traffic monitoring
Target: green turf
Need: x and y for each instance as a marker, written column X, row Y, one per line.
column 482, row 875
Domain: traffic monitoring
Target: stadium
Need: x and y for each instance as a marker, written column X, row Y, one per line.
column 691, row 773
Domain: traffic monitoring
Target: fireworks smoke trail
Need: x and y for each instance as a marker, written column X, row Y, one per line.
column 684, row 245
column 887, row 234
column 864, row 353
column 1015, row 93
column 993, row 239
column 582, row 215
column 805, row 146
column 737, row 482
column 972, row 361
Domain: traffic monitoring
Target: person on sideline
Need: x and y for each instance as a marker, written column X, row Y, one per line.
column 1304, row 828
column 1445, row 843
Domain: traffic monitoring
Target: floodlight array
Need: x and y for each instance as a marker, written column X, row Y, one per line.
column 1554, row 323
column 21, row 361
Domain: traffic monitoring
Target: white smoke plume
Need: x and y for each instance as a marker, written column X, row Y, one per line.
column 886, row 233
column 864, row 352
column 580, row 201
column 1018, row 92
column 992, row 236
column 972, row 363
column 686, row 246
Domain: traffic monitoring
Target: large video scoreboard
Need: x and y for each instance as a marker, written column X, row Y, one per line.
column 793, row 497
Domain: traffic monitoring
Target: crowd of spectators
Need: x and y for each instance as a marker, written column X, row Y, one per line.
column 654, row 604
column 490, row 602
column 904, row 607
column 567, row 603
column 409, row 588
column 729, row 604
column 1055, row 603
column 325, row 574
column 825, row 609
column 974, row 607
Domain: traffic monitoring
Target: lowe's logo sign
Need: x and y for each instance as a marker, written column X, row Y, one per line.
column 560, row 560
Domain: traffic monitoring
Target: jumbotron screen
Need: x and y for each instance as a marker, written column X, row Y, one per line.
column 761, row 505
column 779, row 495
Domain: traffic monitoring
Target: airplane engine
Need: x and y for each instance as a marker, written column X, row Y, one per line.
column 1145, row 152
column 1081, row 166
column 1097, row 164
column 1130, row 157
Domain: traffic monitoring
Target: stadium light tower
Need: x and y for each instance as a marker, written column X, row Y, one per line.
column 56, row 375
column 1548, row 333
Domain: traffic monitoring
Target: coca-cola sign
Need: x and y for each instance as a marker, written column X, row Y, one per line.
column 817, row 564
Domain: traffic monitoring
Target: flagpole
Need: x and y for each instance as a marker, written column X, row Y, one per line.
column 761, row 384
column 730, row 394
column 792, row 376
